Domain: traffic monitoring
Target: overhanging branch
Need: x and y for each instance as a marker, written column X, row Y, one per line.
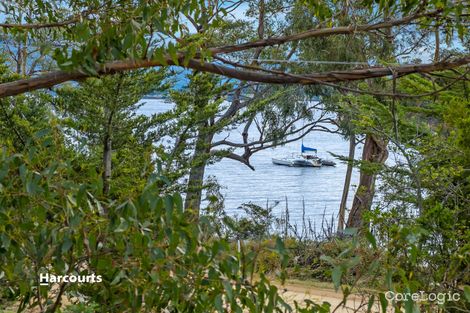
column 54, row 78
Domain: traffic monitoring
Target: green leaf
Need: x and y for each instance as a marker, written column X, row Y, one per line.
column 128, row 41
column 336, row 274
column 75, row 220
column 388, row 279
column 190, row 53
column 350, row 231
column 370, row 304
column 353, row 261
column 135, row 26
column 118, row 277
column 67, row 244
column 178, row 202
column 172, row 51
column 409, row 305
column 383, row 302
column 371, row 239
column 123, row 226
column 228, row 290
column 327, row 259
column 466, row 292
column 218, row 303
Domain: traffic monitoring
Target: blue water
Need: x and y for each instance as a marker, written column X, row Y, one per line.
column 318, row 189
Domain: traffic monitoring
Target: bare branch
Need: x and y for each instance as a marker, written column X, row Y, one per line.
column 235, row 157
column 71, row 20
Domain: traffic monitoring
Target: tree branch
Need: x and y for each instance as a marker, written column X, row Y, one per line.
column 71, row 20
column 322, row 32
column 235, row 157
column 54, row 78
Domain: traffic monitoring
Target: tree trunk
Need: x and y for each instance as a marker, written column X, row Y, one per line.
column 347, row 182
column 24, row 59
column 19, row 59
column 193, row 199
column 107, row 153
column 437, row 41
column 375, row 153
column 107, row 150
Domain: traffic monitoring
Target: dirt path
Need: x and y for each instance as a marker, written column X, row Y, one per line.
column 300, row 291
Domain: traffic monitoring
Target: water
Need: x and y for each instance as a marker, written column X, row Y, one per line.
column 319, row 189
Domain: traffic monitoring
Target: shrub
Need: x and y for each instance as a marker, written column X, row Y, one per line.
column 150, row 258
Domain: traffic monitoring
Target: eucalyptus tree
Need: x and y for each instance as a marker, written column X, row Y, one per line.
column 100, row 116
column 425, row 190
column 347, row 130
column 103, row 38
column 348, row 52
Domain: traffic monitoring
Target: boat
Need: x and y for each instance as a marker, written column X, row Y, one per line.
column 304, row 159
column 297, row 161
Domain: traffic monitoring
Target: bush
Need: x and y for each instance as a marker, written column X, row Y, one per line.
column 149, row 257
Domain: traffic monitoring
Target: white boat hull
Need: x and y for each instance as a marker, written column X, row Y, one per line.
column 282, row 162
column 297, row 162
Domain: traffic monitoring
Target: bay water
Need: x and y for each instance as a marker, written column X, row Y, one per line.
column 317, row 191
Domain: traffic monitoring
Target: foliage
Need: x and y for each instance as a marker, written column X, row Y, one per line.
column 420, row 221
column 22, row 116
column 142, row 30
column 206, row 108
column 55, row 216
column 192, row 117
column 423, row 222
column 149, row 257
column 102, row 114
column 256, row 223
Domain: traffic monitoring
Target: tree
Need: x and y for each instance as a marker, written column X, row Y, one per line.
column 22, row 116
column 100, row 116
column 343, row 52
column 425, row 192
column 375, row 153
column 201, row 112
column 146, row 254
column 269, row 113
column 26, row 52
column 347, row 182
column 369, row 116
column 158, row 34
column 198, row 103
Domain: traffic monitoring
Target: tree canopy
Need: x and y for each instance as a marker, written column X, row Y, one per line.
column 99, row 37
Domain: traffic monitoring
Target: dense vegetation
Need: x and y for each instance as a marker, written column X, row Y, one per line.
column 88, row 185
